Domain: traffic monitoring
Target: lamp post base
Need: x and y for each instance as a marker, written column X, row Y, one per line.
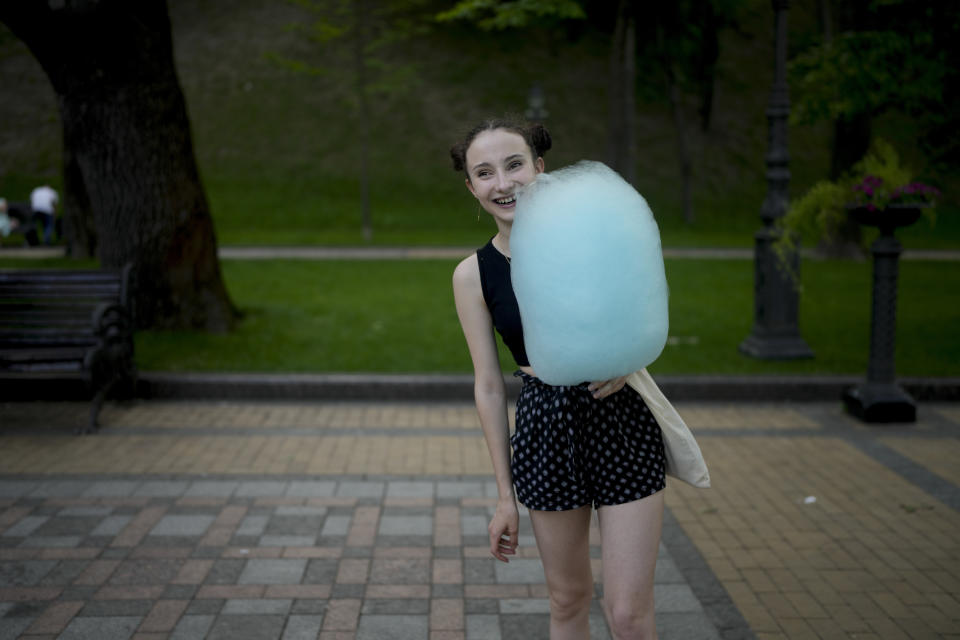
column 880, row 402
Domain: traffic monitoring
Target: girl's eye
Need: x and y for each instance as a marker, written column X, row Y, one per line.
column 515, row 164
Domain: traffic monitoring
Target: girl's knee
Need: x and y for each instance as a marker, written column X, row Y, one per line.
column 567, row 604
column 630, row 620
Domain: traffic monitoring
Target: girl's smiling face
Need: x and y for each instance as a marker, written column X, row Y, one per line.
column 498, row 163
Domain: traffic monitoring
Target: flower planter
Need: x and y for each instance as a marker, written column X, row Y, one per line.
column 880, row 398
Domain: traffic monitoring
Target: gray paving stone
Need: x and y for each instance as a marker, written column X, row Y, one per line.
column 481, row 605
column 311, row 489
column 261, row 488
column 688, row 626
column 85, row 510
column 162, row 488
column 10, row 628
column 459, row 489
column 519, row 571
column 111, row 489
column 206, row 607
column 336, row 526
column 525, row 627
column 348, row 591
column 25, row 526
column 58, row 542
column 406, row 526
column 129, row 608
column 524, row 605
column 225, row 571
column 16, row 488
column 262, row 627
column 294, row 510
column 181, row 525
column 64, row 573
column 302, row 627
column 395, row 606
column 145, row 571
column 25, row 573
column 479, row 571
column 308, row 607
column 179, row 592
column 358, row 489
column 600, row 631
column 260, row 606
column 273, row 571
column 253, row 525
column 100, row 628
column 400, row 571
column 294, row 525
column 67, row 526
column 675, row 598
column 667, row 571
column 393, row 627
column 446, row 591
column 321, row 571
column 60, row 489
column 111, row 525
column 474, row 525
column 5, row 606
column 483, row 627
column 410, row 490
column 192, row 627
column 286, row 541
column 211, row 489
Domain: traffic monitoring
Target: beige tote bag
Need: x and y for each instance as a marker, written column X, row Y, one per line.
column 684, row 460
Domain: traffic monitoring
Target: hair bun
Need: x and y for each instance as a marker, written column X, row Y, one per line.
column 542, row 142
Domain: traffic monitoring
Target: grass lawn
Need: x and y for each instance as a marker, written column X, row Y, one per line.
column 398, row 316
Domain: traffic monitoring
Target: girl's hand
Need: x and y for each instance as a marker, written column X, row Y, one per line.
column 604, row 388
column 504, row 530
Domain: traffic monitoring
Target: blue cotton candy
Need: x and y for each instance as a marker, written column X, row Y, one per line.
column 587, row 270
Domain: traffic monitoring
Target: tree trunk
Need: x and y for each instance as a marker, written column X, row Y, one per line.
column 360, row 43
column 851, row 136
column 79, row 227
column 679, row 126
column 708, row 55
column 621, row 128
column 128, row 151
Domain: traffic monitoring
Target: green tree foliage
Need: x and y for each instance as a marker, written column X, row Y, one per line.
column 902, row 56
column 511, row 14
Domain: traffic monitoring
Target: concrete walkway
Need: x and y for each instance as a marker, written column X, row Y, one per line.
column 358, row 520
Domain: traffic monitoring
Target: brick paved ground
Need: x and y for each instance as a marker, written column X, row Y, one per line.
column 367, row 521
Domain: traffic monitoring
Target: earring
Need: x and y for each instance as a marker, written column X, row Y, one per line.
column 478, row 212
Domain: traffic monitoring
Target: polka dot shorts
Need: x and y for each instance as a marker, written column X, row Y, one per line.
column 571, row 450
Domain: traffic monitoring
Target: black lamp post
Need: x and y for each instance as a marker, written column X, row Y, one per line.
column 535, row 105
column 775, row 334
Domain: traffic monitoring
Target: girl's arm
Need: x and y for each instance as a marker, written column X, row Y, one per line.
column 490, row 395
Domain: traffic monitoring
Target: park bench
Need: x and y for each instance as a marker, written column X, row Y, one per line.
column 64, row 324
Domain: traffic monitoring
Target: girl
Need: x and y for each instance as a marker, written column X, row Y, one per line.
column 593, row 445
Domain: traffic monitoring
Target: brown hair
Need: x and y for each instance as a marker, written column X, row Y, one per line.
column 535, row 134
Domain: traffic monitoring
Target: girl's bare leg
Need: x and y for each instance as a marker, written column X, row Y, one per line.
column 563, row 538
column 630, row 539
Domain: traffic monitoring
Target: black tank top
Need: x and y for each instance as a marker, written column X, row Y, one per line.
column 501, row 301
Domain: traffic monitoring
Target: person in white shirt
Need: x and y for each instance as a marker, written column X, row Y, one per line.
column 43, row 201
column 7, row 223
